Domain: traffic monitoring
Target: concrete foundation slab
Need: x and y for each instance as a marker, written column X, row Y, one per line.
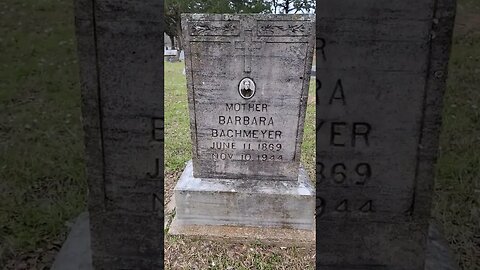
column 243, row 234
column 260, row 203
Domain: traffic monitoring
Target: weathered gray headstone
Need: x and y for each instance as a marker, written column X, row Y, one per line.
column 381, row 71
column 181, row 57
column 256, row 134
column 248, row 79
column 120, row 47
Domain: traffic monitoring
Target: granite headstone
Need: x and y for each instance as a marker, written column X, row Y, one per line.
column 120, row 49
column 248, row 78
column 381, row 70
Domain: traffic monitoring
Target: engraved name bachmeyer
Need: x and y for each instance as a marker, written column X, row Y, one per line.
column 247, row 121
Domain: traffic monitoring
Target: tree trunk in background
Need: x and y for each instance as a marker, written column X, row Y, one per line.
column 179, row 37
column 172, row 41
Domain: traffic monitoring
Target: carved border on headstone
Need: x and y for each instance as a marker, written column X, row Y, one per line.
column 282, row 28
column 214, row 28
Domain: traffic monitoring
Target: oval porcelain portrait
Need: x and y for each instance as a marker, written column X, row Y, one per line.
column 246, row 88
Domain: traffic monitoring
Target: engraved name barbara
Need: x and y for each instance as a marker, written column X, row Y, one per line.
column 246, row 88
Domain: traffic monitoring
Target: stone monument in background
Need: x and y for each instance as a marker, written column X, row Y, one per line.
column 248, row 78
column 381, row 71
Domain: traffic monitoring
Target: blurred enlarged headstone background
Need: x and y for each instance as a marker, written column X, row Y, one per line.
column 42, row 158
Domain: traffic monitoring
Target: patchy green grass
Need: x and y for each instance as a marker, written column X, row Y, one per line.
column 42, row 184
column 178, row 149
column 457, row 192
column 181, row 253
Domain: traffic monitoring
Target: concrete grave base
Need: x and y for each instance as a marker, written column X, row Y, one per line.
column 246, row 234
column 237, row 202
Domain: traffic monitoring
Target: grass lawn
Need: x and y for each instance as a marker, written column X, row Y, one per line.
column 456, row 205
column 42, row 181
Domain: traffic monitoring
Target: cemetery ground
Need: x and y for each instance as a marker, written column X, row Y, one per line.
column 42, row 180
